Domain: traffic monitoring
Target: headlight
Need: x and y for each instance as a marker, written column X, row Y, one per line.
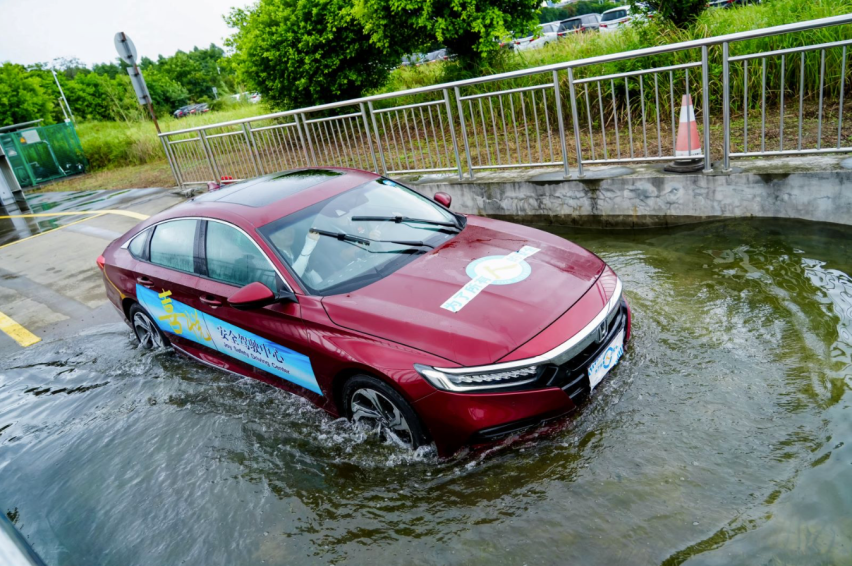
column 476, row 381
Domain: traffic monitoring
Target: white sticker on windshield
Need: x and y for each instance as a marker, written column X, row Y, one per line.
column 491, row 270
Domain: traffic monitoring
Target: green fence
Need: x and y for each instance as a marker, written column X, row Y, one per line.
column 45, row 153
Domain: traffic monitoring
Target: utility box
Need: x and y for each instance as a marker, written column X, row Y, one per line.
column 37, row 154
column 10, row 190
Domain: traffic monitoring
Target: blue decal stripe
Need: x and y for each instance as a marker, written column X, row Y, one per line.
column 177, row 318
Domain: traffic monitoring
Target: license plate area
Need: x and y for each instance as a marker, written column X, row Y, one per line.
column 606, row 360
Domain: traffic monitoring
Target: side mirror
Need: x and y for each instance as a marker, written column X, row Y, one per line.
column 443, row 199
column 252, row 296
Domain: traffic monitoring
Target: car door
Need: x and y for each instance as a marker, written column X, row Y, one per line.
column 271, row 338
column 166, row 279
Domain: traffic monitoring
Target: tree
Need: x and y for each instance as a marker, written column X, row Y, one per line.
column 306, row 52
column 469, row 28
column 679, row 12
column 24, row 96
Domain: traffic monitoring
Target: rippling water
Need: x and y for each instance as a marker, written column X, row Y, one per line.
column 722, row 438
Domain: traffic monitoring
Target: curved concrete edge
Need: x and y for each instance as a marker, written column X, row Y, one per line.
column 656, row 199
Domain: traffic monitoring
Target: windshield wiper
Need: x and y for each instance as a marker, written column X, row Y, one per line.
column 401, row 219
column 344, row 237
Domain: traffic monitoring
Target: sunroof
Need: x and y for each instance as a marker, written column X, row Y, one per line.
column 266, row 190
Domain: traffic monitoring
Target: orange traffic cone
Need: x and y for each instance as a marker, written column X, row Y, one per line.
column 688, row 141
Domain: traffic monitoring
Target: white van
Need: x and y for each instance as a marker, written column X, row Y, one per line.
column 613, row 19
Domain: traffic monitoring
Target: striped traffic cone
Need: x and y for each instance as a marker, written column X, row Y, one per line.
column 688, row 141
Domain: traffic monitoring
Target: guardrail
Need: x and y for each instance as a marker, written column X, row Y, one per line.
column 490, row 123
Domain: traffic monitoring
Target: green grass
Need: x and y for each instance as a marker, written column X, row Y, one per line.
column 109, row 145
column 154, row 174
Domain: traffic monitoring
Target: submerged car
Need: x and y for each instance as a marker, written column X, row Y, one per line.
column 376, row 303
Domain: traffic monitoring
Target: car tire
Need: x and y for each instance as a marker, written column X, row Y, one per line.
column 146, row 330
column 373, row 402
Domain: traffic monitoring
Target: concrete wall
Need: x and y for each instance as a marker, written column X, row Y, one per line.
column 817, row 189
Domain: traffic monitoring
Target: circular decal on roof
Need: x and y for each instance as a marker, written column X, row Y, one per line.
column 503, row 271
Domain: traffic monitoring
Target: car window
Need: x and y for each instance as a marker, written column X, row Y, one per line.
column 137, row 244
column 549, row 28
column 172, row 244
column 570, row 24
column 234, row 259
column 348, row 255
column 616, row 15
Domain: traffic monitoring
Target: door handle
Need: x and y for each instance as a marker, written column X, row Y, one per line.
column 211, row 301
column 145, row 282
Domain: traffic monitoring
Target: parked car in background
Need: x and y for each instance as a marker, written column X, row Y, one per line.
column 730, row 3
column 579, row 24
column 182, row 112
column 376, row 303
column 615, row 18
column 200, row 109
column 544, row 34
column 435, row 56
column 413, row 59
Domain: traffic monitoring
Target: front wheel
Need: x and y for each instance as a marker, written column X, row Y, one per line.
column 149, row 335
column 374, row 404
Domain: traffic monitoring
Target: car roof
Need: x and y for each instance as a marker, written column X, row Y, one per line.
column 617, row 9
column 256, row 202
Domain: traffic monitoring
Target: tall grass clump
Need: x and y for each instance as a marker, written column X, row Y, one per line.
column 108, row 145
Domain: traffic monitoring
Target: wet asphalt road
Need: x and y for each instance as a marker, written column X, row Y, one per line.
column 722, row 438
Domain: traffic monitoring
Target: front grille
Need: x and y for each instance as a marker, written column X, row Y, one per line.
column 573, row 375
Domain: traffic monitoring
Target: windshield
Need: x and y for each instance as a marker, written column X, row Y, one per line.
column 333, row 249
column 616, row 15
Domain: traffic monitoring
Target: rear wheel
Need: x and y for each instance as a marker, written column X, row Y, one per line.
column 149, row 335
column 372, row 403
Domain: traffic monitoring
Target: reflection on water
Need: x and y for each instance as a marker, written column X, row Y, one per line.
column 12, row 229
column 722, row 438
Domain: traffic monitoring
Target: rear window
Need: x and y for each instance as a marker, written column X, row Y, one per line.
column 266, row 190
column 616, row 15
column 570, row 24
column 138, row 244
column 549, row 28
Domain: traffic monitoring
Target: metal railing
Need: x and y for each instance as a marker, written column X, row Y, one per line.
column 492, row 122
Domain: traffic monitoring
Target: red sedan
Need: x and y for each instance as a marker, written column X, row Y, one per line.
column 376, row 303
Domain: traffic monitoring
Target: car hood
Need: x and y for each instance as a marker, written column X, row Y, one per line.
column 406, row 307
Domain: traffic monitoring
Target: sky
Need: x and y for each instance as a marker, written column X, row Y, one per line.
column 33, row 31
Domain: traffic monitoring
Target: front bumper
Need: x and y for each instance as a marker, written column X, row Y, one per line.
column 456, row 419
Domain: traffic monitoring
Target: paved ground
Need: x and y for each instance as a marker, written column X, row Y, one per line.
column 49, row 282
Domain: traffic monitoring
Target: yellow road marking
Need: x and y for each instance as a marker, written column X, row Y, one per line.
column 129, row 213
column 17, row 332
column 49, row 231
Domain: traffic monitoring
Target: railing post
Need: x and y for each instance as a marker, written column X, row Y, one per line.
column 217, row 177
column 464, row 135
column 705, row 107
column 453, row 132
column 558, row 98
column 369, row 139
column 302, row 137
column 378, row 138
column 576, row 122
column 252, row 149
column 726, row 109
column 171, row 162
